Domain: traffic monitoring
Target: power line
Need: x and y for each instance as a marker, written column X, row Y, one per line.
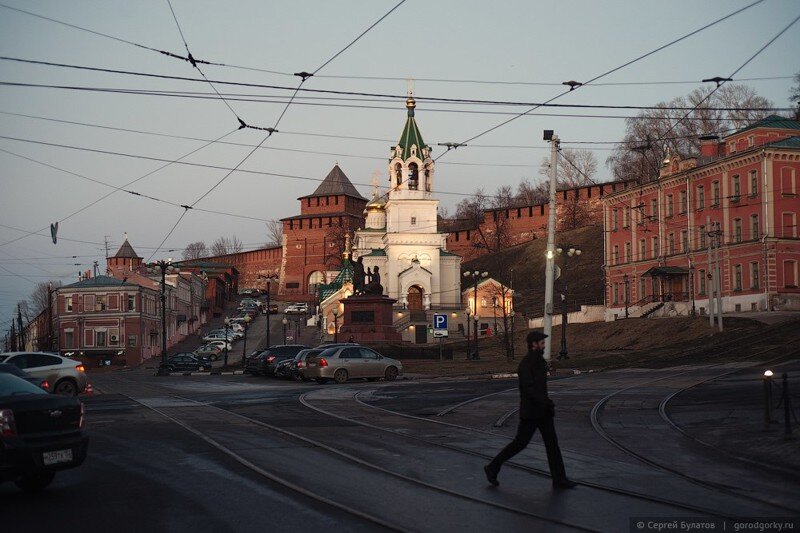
column 639, row 58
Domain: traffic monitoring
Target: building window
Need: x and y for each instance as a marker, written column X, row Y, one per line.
column 683, row 203
column 754, row 227
column 642, row 249
column 642, row 288
column 101, row 303
column 790, row 274
column 654, row 209
column 131, row 302
column 685, row 241
column 701, row 197
column 626, row 217
column 616, row 293
column 68, row 303
column 701, row 282
column 100, row 338
column 736, row 187
column 413, row 221
column 789, row 224
column 615, row 220
column 654, row 245
column 671, row 243
column 751, row 141
column 615, row 257
column 69, row 338
column 628, row 257
column 715, row 194
column 132, row 341
column 701, row 237
column 737, row 230
column 753, row 183
column 737, row 277
column 670, row 207
column 754, row 275
column 788, row 182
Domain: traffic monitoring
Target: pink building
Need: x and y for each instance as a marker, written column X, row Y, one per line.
column 742, row 192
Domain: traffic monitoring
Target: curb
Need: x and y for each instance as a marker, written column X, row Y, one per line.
column 212, row 373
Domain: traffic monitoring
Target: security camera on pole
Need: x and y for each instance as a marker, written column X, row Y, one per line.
column 551, row 234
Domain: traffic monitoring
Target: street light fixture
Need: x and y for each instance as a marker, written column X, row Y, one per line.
column 475, row 276
column 565, row 254
column 284, row 322
column 247, row 320
column 335, row 325
column 467, row 311
column 227, row 338
column 163, row 267
column 269, row 291
column 626, row 281
column 511, row 314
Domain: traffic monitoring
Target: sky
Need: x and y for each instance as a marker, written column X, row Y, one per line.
column 68, row 145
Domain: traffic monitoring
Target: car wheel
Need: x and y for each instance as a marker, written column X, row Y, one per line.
column 391, row 374
column 340, row 376
column 66, row 387
column 372, row 379
column 169, row 368
column 321, row 381
column 35, row 482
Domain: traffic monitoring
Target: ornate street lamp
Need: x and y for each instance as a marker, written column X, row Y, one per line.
column 227, row 338
column 284, row 322
column 475, row 276
column 163, row 267
column 269, row 291
column 511, row 314
column 626, row 280
column 247, row 320
column 565, row 253
column 335, row 325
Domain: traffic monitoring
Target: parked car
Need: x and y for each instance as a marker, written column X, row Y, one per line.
column 283, row 369
column 66, row 376
column 341, row 363
column 40, row 433
column 14, row 371
column 218, row 336
column 274, row 309
column 221, row 344
column 298, row 365
column 186, row 362
column 209, row 351
column 296, row 309
column 266, row 361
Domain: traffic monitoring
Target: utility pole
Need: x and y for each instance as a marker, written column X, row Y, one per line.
column 21, row 329
column 551, row 234
column 709, row 275
column 718, row 278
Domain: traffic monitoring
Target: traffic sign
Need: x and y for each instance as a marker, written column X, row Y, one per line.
column 440, row 321
column 440, row 333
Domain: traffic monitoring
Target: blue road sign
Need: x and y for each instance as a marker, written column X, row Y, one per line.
column 439, row 321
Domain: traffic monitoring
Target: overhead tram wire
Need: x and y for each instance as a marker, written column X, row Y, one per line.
column 384, row 96
column 303, row 77
column 167, row 163
column 353, row 77
column 639, row 58
column 722, row 82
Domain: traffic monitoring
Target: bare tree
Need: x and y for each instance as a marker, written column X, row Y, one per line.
column 335, row 242
column 576, row 168
column 794, row 96
column 225, row 246
column 530, row 194
column 195, row 250
column 274, row 233
column 38, row 298
column 653, row 133
column 489, row 215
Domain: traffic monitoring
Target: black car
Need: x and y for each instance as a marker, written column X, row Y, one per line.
column 186, row 361
column 8, row 368
column 40, row 433
column 283, row 369
column 265, row 362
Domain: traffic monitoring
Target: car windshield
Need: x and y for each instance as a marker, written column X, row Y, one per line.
column 14, row 386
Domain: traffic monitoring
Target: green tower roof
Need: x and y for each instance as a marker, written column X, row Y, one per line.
column 411, row 134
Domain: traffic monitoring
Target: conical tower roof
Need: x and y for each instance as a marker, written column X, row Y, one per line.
column 335, row 183
column 126, row 251
column 411, row 135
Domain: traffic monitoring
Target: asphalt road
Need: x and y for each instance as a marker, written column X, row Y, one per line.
column 240, row 453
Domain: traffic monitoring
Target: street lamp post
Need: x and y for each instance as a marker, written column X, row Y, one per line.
column 626, row 280
column 335, row 325
column 284, row 322
column 475, row 276
column 565, row 253
column 163, row 267
column 691, row 289
column 511, row 314
column 247, row 320
column 227, row 338
column 467, row 312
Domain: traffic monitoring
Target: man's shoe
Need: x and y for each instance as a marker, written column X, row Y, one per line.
column 564, row 484
column 491, row 475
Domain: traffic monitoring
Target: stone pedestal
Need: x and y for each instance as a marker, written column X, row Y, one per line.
column 368, row 318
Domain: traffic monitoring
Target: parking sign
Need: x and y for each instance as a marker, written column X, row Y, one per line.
column 440, row 322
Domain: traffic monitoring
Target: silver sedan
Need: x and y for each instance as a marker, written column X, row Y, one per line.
column 341, row 363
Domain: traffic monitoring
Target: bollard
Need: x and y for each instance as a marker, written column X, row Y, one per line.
column 767, row 398
column 787, row 409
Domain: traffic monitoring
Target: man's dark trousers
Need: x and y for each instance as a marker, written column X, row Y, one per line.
column 525, row 432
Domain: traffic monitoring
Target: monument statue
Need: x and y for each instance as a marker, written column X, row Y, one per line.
column 358, row 276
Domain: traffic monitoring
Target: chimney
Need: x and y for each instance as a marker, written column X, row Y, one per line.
column 708, row 145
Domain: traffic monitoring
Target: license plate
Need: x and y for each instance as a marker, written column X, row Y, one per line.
column 57, row 456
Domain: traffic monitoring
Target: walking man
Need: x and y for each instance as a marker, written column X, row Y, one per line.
column 536, row 411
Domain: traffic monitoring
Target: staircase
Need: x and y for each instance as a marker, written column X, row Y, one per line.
column 652, row 310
